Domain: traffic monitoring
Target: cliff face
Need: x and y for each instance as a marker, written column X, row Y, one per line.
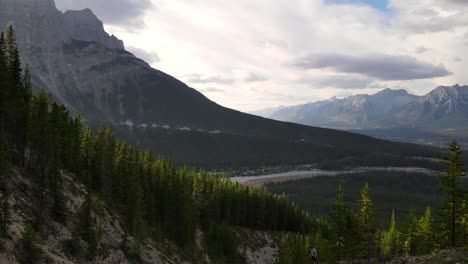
column 42, row 34
column 38, row 23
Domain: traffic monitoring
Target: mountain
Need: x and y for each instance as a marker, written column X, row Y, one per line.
column 354, row 112
column 89, row 71
column 445, row 106
column 267, row 111
column 435, row 118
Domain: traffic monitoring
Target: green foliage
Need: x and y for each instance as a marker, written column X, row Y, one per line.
column 366, row 222
column 29, row 251
column 293, row 249
column 390, row 240
column 89, row 227
column 402, row 191
column 339, row 218
column 155, row 198
column 223, row 244
column 409, row 236
column 426, row 239
column 452, row 208
column 296, row 248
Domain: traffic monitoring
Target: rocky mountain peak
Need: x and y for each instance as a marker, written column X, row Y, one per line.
column 391, row 92
column 84, row 25
column 39, row 25
column 454, row 94
column 440, row 103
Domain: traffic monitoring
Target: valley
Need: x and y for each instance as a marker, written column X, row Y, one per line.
column 107, row 158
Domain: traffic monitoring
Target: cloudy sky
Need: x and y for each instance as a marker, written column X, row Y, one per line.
column 253, row 54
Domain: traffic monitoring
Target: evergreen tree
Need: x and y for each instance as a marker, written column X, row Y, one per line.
column 338, row 219
column 390, row 242
column 366, row 220
column 410, row 235
column 453, row 196
column 89, row 226
column 425, row 234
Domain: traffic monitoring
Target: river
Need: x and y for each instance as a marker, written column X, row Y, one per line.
column 260, row 180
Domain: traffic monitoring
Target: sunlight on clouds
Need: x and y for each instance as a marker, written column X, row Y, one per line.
column 244, row 48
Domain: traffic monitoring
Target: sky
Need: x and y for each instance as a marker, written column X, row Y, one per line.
column 255, row 54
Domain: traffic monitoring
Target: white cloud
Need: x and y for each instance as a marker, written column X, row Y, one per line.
column 244, row 48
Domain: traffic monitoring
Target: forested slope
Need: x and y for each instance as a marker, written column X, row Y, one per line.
column 44, row 152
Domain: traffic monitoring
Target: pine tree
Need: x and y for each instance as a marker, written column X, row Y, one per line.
column 410, row 235
column 425, row 234
column 89, row 227
column 25, row 112
column 10, row 46
column 453, row 196
column 366, row 219
column 390, row 242
column 338, row 220
column 4, row 84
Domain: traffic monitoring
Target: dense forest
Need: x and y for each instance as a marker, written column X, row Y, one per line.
column 352, row 233
column 156, row 199
column 232, row 151
column 405, row 192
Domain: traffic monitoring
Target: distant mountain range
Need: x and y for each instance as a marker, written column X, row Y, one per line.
column 443, row 111
column 89, row 71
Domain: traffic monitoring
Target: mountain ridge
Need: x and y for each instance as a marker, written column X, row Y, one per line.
column 386, row 109
column 88, row 70
column 357, row 111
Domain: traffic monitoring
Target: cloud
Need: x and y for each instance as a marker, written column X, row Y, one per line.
column 207, row 79
column 253, row 77
column 273, row 43
column 210, row 90
column 416, row 16
column 117, row 12
column 246, row 47
column 342, row 82
column 421, row 49
column 383, row 67
column 458, row 2
column 457, row 59
column 148, row 56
